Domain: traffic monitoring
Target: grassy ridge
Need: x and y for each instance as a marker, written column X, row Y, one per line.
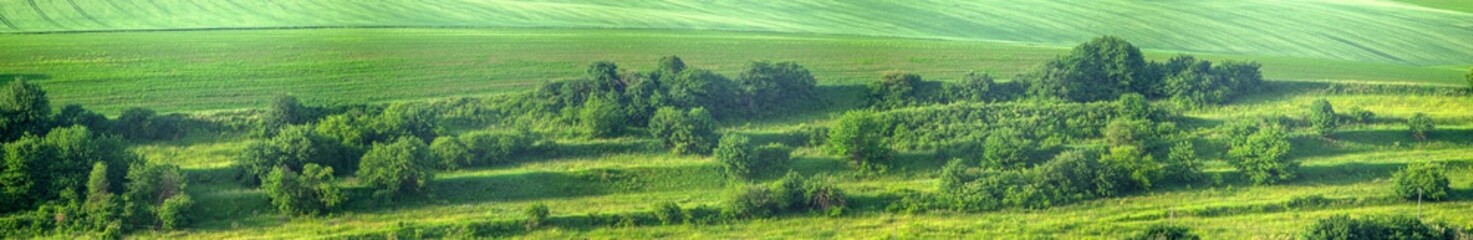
column 193, row 71
column 1365, row 30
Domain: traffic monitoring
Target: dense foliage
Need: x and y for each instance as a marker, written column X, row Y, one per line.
column 1260, row 150
column 856, row 137
column 1322, row 118
column 293, row 148
column 1392, row 227
column 1420, row 125
column 398, row 168
column 1422, row 181
column 313, row 191
column 685, row 132
column 24, row 108
column 1107, row 67
column 793, row 193
column 1165, row 232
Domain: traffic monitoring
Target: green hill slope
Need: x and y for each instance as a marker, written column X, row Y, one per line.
column 1365, row 30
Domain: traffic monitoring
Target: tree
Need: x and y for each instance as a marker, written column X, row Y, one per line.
column 75, row 115
column 974, row 87
column 39, row 169
column 777, row 85
column 1134, row 106
column 1100, row 69
column 737, row 156
column 174, row 212
column 1140, row 167
column 149, row 187
column 895, row 89
column 700, row 88
column 292, row 148
column 405, row 119
column 601, row 118
column 1006, row 148
column 685, row 132
column 1181, row 163
column 348, row 129
column 605, row 77
column 284, row 110
column 1322, row 117
column 953, row 176
column 24, row 108
column 1422, row 181
column 101, row 206
column 312, row 192
column 857, row 137
column 1128, row 132
column 452, row 153
column 399, row 167
column 1262, row 155
column 787, row 193
column 1420, row 125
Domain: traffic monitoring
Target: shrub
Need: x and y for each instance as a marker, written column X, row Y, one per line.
column 975, row 87
column 601, row 117
column 776, row 86
column 1357, row 114
column 398, row 168
column 312, row 192
column 284, row 111
column 1422, row 181
column 293, row 148
column 821, row 194
column 1262, row 154
column 1181, row 163
column 150, row 186
column 736, row 156
column 452, row 153
column 536, row 216
column 953, row 176
column 1165, row 232
column 1128, row 132
column 749, row 201
column 787, row 193
column 1322, row 118
column 1420, row 125
column 856, row 136
column 1140, row 166
column 685, row 132
column 174, row 213
column 1006, row 148
column 896, row 89
column 1394, row 227
column 668, row 213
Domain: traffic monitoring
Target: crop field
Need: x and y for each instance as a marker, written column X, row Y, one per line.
column 460, row 119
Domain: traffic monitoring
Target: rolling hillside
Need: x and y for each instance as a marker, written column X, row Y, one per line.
column 1364, row 30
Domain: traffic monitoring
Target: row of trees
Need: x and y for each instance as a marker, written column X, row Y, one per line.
column 1107, row 67
column 59, row 174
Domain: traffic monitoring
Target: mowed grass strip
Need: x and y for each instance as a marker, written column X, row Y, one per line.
column 195, row 71
column 1369, row 30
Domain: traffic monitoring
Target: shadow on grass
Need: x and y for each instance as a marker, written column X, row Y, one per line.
column 528, row 186
column 1393, row 137
column 32, row 77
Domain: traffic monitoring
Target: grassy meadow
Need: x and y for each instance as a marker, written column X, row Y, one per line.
column 222, row 57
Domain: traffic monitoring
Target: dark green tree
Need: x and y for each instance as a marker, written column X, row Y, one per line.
column 1422, row 181
column 1100, row 69
column 284, row 110
column 895, row 89
column 293, row 148
column 700, row 88
column 312, row 192
column 101, row 205
column 685, row 132
column 452, row 153
column 777, row 85
column 1262, row 154
column 1322, row 118
column 1006, row 148
column 1181, row 163
column 1379, row 227
column 1139, row 166
column 149, row 187
column 601, row 117
column 856, row 136
column 405, row 119
column 75, row 115
column 397, row 168
column 974, row 87
column 24, row 108
column 737, row 156
column 1420, row 125
column 1135, row 106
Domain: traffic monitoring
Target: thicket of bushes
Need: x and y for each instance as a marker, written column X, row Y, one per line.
column 1381, row 227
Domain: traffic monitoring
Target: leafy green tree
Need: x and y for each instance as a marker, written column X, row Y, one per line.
column 737, row 156
column 1181, row 163
column 174, row 212
column 857, row 137
column 1006, row 148
column 102, row 205
column 284, row 110
column 1135, row 106
column 700, row 88
column 149, row 187
column 38, row 169
column 1322, row 117
column 953, row 176
column 1140, row 167
column 787, row 193
column 24, row 108
column 777, row 85
column 895, row 89
column 601, row 117
column 974, row 87
column 1420, row 125
column 1165, row 232
column 348, row 129
column 292, row 148
column 1263, row 154
column 605, row 77
column 312, row 192
column 1422, row 181
column 1128, row 132
column 671, row 64
column 24, row 176
column 399, row 167
column 685, row 132
column 405, row 119
column 452, row 153
column 75, row 115
column 1100, row 69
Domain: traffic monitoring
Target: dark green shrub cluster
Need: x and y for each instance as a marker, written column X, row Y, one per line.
column 1422, row 181
column 791, row 194
column 1322, row 117
column 900, row 89
column 1107, row 67
column 685, row 132
column 1420, row 125
column 313, row 191
column 1259, row 149
column 740, row 159
column 293, row 148
column 1069, row 177
column 478, row 148
column 1165, row 232
column 536, row 216
column 944, row 126
column 857, row 136
column 398, row 168
column 1385, row 227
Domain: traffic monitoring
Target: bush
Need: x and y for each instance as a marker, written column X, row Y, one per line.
column 1165, row 232
column 736, row 156
column 668, row 213
column 314, row 191
column 398, row 168
column 897, row 89
column 856, row 136
column 974, row 87
column 1322, row 118
column 1420, row 125
column 293, row 148
column 1181, row 163
column 498, row 147
column 1100, row 69
column 174, row 213
column 1422, row 181
column 1394, row 227
column 773, row 87
column 1260, row 151
column 601, row 117
column 1140, row 166
column 536, row 216
column 150, row 186
column 1357, row 114
column 685, row 132
column 452, row 153
column 787, row 193
column 746, row 201
column 1006, row 148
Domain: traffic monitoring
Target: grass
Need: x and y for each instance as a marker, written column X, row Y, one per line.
column 203, row 71
column 1364, row 30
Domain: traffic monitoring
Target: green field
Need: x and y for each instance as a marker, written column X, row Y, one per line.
column 220, row 60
